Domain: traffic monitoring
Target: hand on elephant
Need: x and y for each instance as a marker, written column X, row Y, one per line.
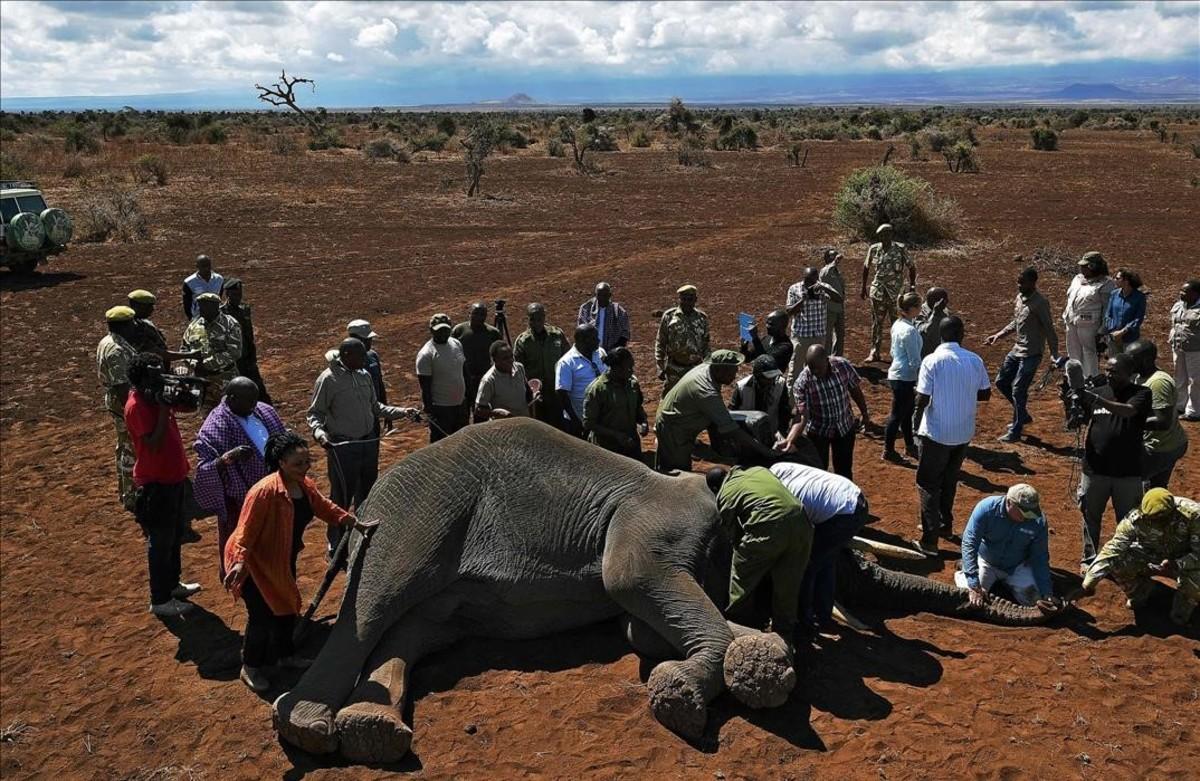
column 1050, row 605
column 977, row 596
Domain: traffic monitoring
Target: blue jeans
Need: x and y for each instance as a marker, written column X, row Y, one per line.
column 817, row 587
column 1013, row 380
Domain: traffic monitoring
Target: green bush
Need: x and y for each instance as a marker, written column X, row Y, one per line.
column 213, row 133
column 739, row 136
column 430, row 142
column 385, row 149
column 447, row 126
column 78, row 140
column 961, row 158
column 554, row 148
column 1077, row 118
column 1044, row 139
column 511, row 137
column 640, row 138
column 150, row 168
column 327, row 139
column 872, row 196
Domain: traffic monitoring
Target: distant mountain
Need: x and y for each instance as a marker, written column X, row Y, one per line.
column 517, row 100
column 1094, row 92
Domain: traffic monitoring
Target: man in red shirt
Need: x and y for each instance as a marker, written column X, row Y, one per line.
column 160, row 472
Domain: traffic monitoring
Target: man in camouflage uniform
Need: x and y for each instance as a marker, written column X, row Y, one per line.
column 538, row 350
column 146, row 336
column 682, row 341
column 113, row 355
column 218, row 339
column 1162, row 537
column 890, row 260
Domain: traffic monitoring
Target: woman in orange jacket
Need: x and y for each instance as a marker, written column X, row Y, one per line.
column 260, row 556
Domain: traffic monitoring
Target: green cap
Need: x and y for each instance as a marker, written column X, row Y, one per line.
column 726, row 358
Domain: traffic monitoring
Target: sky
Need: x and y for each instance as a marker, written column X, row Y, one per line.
column 480, row 50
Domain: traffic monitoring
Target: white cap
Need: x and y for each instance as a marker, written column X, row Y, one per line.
column 361, row 329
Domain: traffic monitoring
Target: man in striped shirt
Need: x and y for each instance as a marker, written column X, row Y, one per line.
column 951, row 381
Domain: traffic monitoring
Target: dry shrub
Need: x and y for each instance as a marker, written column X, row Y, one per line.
column 150, row 169
column 554, row 148
column 640, row 139
column 283, row 144
column 110, row 211
column 385, row 149
column 690, row 152
column 872, row 196
column 1055, row 259
column 74, row 169
column 13, row 166
column 1044, row 139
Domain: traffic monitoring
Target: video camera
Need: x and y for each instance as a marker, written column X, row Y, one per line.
column 181, row 391
column 500, row 305
column 1074, row 391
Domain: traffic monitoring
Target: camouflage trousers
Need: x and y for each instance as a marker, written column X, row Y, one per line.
column 883, row 314
column 1132, row 573
column 124, row 456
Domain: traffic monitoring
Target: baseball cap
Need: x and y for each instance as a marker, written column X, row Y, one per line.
column 142, row 296
column 119, row 314
column 1025, row 497
column 726, row 358
column 438, row 321
column 361, row 329
column 765, row 366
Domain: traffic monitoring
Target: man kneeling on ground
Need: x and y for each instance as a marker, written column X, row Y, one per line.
column 1006, row 541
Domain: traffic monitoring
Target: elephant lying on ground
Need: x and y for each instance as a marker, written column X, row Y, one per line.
column 516, row 530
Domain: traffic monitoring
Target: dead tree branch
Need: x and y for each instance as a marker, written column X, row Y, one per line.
column 283, row 93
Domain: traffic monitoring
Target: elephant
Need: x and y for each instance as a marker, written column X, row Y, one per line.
column 513, row 529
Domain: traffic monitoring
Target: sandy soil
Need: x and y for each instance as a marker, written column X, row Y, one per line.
column 93, row 687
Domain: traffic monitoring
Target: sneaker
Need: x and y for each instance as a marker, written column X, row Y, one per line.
column 254, row 679
column 185, row 590
column 1009, row 436
column 295, row 662
column 171, row 608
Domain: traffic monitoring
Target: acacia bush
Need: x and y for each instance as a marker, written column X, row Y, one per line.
column 13, row 166
column 149, row 169
column 739, row 136
column 961, row 158
column 385, row 149
column 430, row 142
column 282, row 144
column 110, row 211
column 1044, row 139
column 554, row 148
column 872, row 196
column 74, row 169
column 640, row 138
column 212, row 133
column 78, row 140
column 690, row 152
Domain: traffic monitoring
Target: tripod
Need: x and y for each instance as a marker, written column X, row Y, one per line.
column 501, row 323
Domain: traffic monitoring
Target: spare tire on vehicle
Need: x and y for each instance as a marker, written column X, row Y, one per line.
column 58, row 225
column 26, row 232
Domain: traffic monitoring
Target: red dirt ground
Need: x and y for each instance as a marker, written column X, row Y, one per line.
column 107, row 691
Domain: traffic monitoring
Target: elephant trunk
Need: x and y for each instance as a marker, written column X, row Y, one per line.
column 863, row 583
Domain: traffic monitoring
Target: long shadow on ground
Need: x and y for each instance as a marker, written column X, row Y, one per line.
column 14, row 281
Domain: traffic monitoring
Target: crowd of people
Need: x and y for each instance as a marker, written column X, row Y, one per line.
column 798, row 402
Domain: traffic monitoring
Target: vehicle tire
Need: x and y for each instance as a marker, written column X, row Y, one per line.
column 58, row 225
column 26, row 232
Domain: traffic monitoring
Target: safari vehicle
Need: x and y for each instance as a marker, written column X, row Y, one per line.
column 29, row 231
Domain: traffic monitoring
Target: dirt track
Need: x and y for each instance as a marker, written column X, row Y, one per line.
column 109, row 692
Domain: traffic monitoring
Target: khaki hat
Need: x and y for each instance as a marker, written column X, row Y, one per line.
column 887, row 226
column 764, row 366
column 119, row 314
column 726, row 358
column 142, row 296
column 361, row 329
column 438, row 321
column 1025, row 498
column 687, row 289
column 208, row 297
column 1157, row 500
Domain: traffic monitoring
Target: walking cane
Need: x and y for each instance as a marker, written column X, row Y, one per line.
column 331, row 571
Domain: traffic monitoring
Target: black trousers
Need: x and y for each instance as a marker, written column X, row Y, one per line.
column 904, row 399
column 161, row 511
column 843, row 452
column 250, row 369
column 268, row 637
column 444, row 421
column 353, row 468
column 937, row 484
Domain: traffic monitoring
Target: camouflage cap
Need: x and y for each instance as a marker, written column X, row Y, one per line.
column 687, row 289
column 1025, row 498
column 142, row 296
column 726, row 358
column 438, row 321
column 119, row 314
column 208, row 297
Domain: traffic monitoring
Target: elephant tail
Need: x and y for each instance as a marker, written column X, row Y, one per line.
column 861, row 582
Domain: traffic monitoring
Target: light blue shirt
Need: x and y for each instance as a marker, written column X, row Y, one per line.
column 256, row 430
column 574, row 373
column 951, row 376
column 822, row 493
column 992, row 536
column 906, row 351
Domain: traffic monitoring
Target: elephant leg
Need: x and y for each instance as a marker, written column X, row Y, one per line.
column 376, row 598
column 371, row 726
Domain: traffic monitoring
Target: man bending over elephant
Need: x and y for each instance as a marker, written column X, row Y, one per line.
column 1006, row 541
column 771, row 536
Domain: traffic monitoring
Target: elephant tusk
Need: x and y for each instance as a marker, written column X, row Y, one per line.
column 840, row 614
column 883, row 549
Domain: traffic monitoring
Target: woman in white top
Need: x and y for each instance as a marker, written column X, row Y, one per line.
column 1083, row 316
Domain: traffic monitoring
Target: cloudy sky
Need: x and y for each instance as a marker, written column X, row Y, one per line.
column 474, row 49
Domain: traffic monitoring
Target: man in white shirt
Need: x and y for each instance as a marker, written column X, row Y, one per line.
column 205, row 280
column 503, row 390
column 440, row 370
column 951, row 382
column 837, row 509
column 575, row 371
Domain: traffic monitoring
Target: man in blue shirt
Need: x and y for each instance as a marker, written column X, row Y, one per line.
column 1006, row 540
column 575, row 371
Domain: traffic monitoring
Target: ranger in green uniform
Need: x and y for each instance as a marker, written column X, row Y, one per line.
column 682, row 340
column 613, row 416
column 218, row 339
column 890, row 259
column 538, row 350
column 113, row 355
column 695, row 404
column 771, row 536
column 1162, row 537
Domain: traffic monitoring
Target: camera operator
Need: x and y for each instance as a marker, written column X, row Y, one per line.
column 160, row 472
column 807, row 303
column 1112, row 459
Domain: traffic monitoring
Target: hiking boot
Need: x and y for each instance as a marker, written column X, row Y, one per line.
column 185, row 590
column 254, row 679
column 171, row 608
column 891, row 455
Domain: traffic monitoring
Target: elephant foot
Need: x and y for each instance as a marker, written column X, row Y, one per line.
column 677, row 700
column 305, row 724
column 372, row 733
column 759, row 670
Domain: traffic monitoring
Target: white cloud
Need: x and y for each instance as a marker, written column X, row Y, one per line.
column 103, row 48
